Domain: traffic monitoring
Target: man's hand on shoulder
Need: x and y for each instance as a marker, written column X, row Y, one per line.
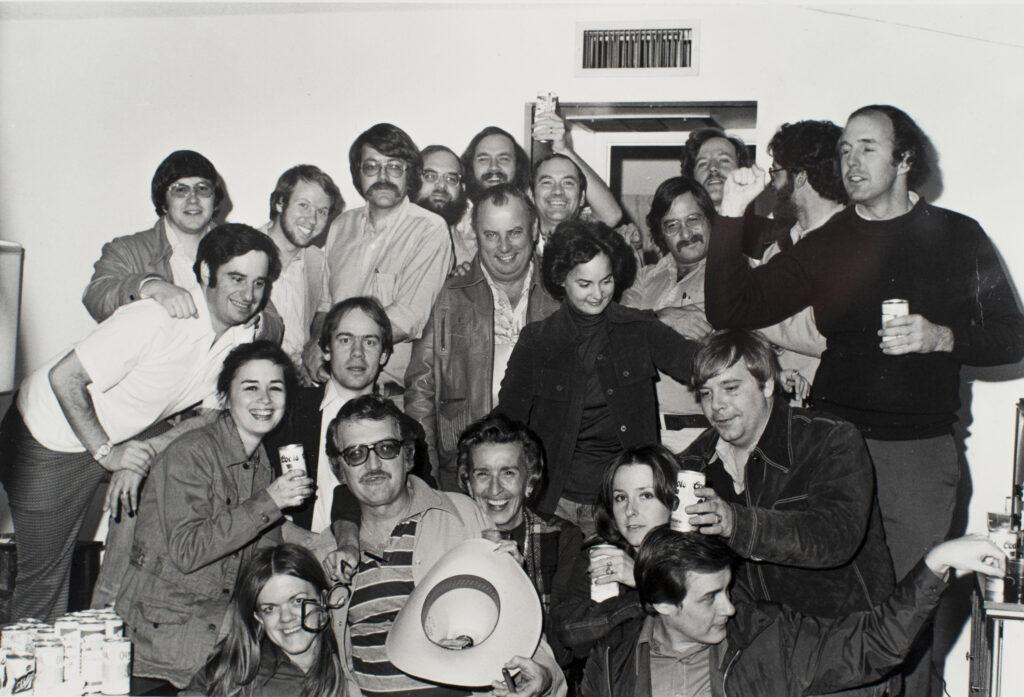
column 312, row 371
column 177, row 301
column 914, row 334
column 690, row 322
column 742, row 186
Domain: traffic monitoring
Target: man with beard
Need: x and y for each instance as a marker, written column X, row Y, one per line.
column 808, row 192
column 302, row 204
column 390, row 249
column 444, row 192
column 680, row 224
column 459, row 362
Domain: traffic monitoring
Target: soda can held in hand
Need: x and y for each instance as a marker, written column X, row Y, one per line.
column 292, row 458
column 687, row 482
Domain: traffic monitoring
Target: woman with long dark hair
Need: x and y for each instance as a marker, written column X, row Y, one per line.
column 279, row 640
column 583, row 379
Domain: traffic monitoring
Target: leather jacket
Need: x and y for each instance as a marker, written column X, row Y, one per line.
column 448, row 381
column 545, row 383
column 810, row 532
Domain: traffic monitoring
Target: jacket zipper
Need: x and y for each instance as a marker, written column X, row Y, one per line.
column 608, row 668
column 725, row 674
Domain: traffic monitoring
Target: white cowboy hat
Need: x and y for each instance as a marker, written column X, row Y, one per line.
column 472, row 612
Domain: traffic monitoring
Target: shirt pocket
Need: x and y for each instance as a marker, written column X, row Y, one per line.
column 633, row 369
column 551, row 385
column 798, row 502
column 383, row 287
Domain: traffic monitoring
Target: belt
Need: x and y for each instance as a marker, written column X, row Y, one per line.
column 677, row 422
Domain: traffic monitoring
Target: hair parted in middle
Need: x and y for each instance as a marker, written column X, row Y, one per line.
column 287, row 182
column 664, row 469
column 391, row 141
column 665, row 195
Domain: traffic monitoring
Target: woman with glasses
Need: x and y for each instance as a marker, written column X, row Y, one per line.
column 209, row 500
column 278, row 639
column 583, row 379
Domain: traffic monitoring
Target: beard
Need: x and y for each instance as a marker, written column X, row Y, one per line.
column 451, row 210
column 784, row 209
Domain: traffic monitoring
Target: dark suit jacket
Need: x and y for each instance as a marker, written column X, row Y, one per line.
column 301, row 424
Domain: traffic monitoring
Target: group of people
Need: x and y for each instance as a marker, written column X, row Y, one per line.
column 480, row 350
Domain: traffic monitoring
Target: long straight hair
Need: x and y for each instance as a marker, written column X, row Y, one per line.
column 235, row 662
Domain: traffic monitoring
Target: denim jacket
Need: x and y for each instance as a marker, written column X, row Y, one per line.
column 545, row 383
column 204, row 508
column 810, row 532
column 448, row 382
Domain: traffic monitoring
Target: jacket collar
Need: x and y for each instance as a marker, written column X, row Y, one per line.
column 424, row 498
column 773, row 447
column 163, row 251
column 227, row 435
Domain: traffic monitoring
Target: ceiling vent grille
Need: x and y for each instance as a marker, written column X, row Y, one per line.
column 644, row 48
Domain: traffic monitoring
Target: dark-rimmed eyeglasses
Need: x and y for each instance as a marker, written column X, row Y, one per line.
column 450, row 178
column 393, row 168
column 386, row 449
column 200, row 189
column 316, row 615
column 772, row 171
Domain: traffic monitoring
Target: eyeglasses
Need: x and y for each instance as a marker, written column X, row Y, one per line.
column 393, row 168
column 386, row 449
column 772, row 171
column 316, row 614
column 450, row 178
column 200, row 189
column 693, row 222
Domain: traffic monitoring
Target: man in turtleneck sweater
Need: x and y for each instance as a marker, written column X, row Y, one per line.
column 899, row 383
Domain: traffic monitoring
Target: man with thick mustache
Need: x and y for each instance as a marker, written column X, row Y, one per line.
column 898, row 382
column 680, row 224
column 303, row 203
column 444, row 192
column 390, row 249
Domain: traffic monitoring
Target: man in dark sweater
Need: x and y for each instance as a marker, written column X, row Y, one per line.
column 899, row 383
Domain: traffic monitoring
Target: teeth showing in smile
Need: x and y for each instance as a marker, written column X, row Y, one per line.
column 497, row 503
column 506, row 258
column 262, row 414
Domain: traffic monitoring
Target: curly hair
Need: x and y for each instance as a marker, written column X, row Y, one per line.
column 810, row 147
column 702, row 135
column 392, row 141
column 666, row 194
column 664, row 469
column 576, row 242
column 909, row 142
column 522, row 178
column 499, row 429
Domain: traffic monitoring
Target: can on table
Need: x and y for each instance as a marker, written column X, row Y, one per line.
column 91, row 626
column 117, row 662
column 91, row 671
column 16, row 639
column 292, row 458
column 113, row 625
column 893, row 308
column 687, row 482
column 21, row 674
column 600, row 592
column 49, row 663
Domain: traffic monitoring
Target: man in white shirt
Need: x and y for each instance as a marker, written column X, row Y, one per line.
column 77, row 417
column 390, row 249
column 304, row 201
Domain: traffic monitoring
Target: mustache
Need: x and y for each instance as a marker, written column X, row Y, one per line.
column 496, row 173
column 385, row 186
column 695, row 239
column 378, row 474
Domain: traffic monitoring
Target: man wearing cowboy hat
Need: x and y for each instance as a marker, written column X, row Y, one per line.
column 406, row 527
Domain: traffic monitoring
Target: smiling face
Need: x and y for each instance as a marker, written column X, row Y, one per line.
column 589, row 287
column 305, row 216
column 256, row 400
column 704, row 612
column 504, row 236
column 377, row 482
column 238, row 294
column 686, row 230
column 190, row 213
column 497, row 482
column 557, row 191
column 494, row 161
column 866, row 159
column 446, row 198
column 635, row 504
column 382, row 190
column 356, row 352
column 279, row 611
column 715, row 159
column 736, row 405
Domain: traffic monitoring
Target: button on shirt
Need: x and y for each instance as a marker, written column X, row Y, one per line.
column 335, row 397
column 403, row 265
column 508, row 323
column 144, row 366
column 686, row 674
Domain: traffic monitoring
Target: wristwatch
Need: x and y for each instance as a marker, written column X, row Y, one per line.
column 102, row 451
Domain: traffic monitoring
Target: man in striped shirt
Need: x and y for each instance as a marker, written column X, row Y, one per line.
column 406, row 527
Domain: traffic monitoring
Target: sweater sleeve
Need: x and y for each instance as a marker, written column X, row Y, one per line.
column 993, row 332
column 739, row 297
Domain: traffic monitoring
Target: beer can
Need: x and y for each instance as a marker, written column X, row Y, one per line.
column 91, row 626
column 91, row 671
column 117, row 660
column 687, row 482
column 892, row 308
column 16, row 639
column 72, row 641
column 292, row 458
column 49, row 663
column 600, row 592
column 21, row 674
column 113, row 625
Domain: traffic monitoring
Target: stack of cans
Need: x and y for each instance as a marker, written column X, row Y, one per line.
column 83, row 653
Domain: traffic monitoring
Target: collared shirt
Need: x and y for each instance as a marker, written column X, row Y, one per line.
column 658, row 287
column 685, row 674
column 298, row 293
column 508, row 323
column 335, row 397
column 182, row 260
column 403, row 265
column 144, row 366
column 734, row 460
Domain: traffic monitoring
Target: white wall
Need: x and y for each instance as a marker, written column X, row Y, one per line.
column 93, row 96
